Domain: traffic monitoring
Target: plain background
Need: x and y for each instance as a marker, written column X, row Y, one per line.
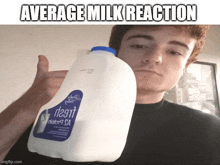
column 20, row 46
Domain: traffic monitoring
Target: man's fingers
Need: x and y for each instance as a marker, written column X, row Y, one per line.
column 60, row 73
column 53, row 82
column 42, row 66
column 44, row 77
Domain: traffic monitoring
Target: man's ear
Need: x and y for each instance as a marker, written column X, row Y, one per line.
column 187, row 64
column 182, row 72
column 186, row 67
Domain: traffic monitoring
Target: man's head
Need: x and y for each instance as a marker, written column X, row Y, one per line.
column 197, row 32
column 158, row 55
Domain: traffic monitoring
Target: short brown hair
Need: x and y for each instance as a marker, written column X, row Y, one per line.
column 199, row 32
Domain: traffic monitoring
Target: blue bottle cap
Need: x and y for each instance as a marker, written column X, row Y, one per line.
column 108, row 49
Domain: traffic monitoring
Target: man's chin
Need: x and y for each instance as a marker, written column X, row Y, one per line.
column 149, row 90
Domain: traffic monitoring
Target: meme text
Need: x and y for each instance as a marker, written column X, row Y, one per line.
column 116, row 12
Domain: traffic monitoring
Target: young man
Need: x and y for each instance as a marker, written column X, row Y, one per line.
column 160, row 132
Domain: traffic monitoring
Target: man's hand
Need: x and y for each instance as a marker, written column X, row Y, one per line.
column 45, row 85
column 18, row 116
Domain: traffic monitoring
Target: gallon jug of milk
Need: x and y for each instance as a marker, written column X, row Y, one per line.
column 89, row 117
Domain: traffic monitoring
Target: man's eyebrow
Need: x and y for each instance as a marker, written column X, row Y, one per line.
column 141, row 36
column 148, row 37
column 179, row 43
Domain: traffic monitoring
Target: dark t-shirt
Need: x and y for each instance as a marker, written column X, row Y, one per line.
column 162, row 133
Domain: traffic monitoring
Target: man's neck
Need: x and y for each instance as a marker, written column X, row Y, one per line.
column 149, row 98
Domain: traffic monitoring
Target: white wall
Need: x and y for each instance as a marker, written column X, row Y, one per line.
column 20, row 46
column 211, row 52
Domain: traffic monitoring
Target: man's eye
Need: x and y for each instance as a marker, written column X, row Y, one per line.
column 175, row 53
column 137, row 46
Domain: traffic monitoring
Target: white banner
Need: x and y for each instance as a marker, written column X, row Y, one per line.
column 111, row 12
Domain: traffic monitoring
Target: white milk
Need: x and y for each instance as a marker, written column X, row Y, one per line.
column 89, row 117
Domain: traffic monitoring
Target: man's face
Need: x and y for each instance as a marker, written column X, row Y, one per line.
column 157, row 56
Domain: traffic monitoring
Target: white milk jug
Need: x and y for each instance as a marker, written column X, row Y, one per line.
column 89, row 117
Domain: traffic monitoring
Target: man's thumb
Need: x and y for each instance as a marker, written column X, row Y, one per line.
column 42, row 66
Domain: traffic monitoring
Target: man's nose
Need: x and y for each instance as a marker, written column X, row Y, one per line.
column 153, row 56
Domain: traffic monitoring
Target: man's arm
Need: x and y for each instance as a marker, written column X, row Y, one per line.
column 17, row 117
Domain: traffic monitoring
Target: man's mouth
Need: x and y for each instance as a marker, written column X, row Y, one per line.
column 148, row 71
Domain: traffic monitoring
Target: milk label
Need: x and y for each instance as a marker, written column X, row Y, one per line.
column 57, row 122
